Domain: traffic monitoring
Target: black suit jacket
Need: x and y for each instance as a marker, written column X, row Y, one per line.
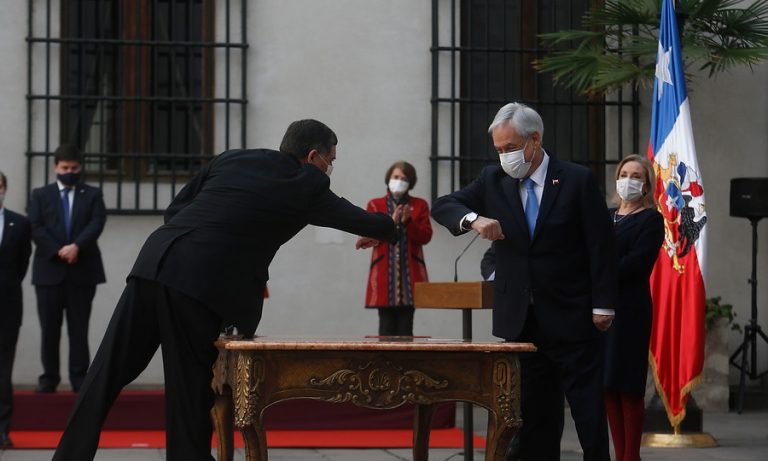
column 567, row 268
column 488, row 263
column 638, row 240
column 224, row 227
column 15, row 248
column 47, row 218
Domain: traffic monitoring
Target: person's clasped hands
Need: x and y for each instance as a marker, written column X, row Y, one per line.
column 69, row 253
column 401, row 215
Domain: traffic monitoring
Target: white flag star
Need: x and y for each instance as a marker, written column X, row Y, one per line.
column 662, row 69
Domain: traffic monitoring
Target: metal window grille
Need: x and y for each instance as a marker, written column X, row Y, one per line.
column 481, row 59
column 133, row 84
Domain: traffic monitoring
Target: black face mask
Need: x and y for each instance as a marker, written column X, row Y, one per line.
column 68, row 179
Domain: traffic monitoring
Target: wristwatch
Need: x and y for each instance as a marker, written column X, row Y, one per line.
column 469, row 219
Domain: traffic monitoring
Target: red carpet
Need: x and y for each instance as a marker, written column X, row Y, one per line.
column 145, row 410
column 382, row 438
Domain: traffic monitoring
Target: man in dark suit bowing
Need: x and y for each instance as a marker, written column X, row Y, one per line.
column 555, row 282
column 206, row 265
column 67, row 218
column 15, row 248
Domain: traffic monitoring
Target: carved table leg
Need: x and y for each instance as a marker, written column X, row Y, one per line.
column 504, row 411
column 255, row 442
column 422, row 425
column 222, row 414
column 498, row 438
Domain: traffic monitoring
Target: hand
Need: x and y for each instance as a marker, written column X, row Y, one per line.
column 69, row 253
column 365, row 242
column 406, row 216
column 489, row 229
column 602, row 322
column 397, row 215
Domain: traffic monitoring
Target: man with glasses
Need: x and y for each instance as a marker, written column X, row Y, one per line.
column 208, row 264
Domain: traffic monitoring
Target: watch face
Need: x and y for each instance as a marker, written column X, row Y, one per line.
column 471, row 218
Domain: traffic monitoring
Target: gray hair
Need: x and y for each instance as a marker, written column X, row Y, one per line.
column 523, row 119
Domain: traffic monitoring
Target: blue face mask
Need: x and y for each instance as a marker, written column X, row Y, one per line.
column 68, row 179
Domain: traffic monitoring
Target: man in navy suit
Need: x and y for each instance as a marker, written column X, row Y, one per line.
column 207, row 265
column 555, row 282
column 15, row 248
column 67, row 218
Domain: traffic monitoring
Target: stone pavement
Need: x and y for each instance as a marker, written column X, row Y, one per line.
column 741, row 438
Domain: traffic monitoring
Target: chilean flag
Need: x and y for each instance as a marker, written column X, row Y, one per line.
column 677, row 283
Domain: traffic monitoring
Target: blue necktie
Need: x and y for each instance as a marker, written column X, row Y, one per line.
column 531, row 205
column 65, row 209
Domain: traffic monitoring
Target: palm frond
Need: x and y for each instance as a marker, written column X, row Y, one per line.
column 617, row 42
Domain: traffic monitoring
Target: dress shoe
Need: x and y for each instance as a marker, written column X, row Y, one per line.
column 5, row 441
column 45, row 389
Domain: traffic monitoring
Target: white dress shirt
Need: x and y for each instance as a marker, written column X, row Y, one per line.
column 539, row 178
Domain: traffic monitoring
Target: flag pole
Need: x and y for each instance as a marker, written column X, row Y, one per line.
column 677, row 282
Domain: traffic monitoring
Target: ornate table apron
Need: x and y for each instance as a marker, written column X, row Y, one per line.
column 249, row 376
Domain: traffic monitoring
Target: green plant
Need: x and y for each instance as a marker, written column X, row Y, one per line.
column 618, row 42
column 715, row 310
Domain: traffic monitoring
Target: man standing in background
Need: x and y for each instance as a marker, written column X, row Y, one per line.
column 15, row 248
column 67, row 219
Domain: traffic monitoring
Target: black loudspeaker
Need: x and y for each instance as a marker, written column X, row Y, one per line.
column 749, row 197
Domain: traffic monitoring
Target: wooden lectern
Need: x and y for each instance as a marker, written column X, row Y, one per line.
column 457, row 295
column 453, row 295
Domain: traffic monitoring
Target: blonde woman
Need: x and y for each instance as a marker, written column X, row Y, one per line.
column 639, row 233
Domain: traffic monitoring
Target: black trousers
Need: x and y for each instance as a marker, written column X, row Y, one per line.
column 558, row 369
column 9, row 334
column 396, row 321
column 53, row 303
column 150, row 315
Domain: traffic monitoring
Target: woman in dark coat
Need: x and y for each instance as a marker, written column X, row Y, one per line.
column 639, row 234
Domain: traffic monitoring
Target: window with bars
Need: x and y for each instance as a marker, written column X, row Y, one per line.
column 133, row 84
column 482, row 53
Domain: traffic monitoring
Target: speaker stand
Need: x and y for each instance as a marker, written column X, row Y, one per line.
column 747, row 351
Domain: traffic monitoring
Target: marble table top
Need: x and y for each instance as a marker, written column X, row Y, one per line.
column 371, row 343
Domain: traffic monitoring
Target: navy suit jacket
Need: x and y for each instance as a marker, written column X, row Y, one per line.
column 567, row 268
column 225, row 226
column 47, row 217
column 15, row 248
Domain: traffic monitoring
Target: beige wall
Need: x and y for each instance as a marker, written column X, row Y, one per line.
column 730, row 119
column 364, row 69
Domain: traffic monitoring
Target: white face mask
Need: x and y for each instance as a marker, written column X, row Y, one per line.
column 328, row 170
column 398, row 187
column 514, row 164
column 629, row 189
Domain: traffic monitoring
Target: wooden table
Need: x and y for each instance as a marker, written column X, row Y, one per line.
column 378, row 373
column 465, row 296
